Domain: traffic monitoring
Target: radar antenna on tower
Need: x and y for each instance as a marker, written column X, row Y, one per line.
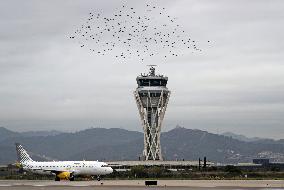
column 152, row 70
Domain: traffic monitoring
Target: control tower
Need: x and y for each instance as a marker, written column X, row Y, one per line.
column 152, row 98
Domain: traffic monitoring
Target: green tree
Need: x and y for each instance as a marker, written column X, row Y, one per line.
column 138, row 171
column 155, row 171
column 233, row 170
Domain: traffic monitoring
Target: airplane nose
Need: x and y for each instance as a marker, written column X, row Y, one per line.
column 110, row 170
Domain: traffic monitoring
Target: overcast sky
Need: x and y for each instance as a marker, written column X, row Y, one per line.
column 236, row 84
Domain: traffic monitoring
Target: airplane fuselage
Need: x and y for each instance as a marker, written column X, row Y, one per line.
column 74, row 167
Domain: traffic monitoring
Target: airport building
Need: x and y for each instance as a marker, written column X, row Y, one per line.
column 169, row 165
column 152, row 96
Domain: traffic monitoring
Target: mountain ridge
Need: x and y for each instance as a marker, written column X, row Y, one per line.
column 120, row 144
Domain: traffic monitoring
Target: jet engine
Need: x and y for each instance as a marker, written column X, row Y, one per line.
column 64, row 176
column 19, row 166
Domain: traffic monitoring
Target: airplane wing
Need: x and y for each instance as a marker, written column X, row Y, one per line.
column 60, row 174
column 51, row 170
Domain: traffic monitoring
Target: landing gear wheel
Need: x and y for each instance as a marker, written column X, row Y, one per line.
column 72, row 178
column 98, row 178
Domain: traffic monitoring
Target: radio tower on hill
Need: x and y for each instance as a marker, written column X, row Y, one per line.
column 152, row 98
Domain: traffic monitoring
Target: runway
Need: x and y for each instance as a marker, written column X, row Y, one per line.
column 140, row 185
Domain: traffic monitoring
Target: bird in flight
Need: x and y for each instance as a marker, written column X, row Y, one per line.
column 129, row 33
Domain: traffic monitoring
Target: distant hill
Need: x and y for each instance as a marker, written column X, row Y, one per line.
column 5, row 133
column 7, row 154
column 64, row 145
column 241, row 137
column 191, row 144
column 119, row 144
column 253, row 139
column 40, row 133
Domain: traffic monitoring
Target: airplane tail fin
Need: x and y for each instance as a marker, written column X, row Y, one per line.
column 23, row 156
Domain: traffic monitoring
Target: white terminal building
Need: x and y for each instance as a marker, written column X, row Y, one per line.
column 152, row 96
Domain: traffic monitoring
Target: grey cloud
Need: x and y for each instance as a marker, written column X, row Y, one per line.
column 236, row 84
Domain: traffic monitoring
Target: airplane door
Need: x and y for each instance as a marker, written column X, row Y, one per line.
column 68, row 167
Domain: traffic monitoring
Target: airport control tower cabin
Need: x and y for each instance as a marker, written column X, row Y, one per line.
column 152, row 96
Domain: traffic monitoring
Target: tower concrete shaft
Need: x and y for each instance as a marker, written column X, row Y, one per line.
column 152, row 98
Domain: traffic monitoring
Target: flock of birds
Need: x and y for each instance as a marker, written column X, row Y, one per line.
column 132, row 33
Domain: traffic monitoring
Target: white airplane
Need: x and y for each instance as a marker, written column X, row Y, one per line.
column 62, row 169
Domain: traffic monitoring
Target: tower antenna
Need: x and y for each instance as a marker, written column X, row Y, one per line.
column 152, row 70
